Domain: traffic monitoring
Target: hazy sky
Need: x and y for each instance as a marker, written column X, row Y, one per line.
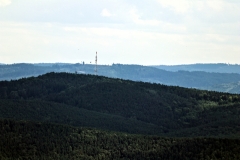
column 146, row 32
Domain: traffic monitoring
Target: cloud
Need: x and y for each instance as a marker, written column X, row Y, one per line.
column 155, row 31
column 5, row 3
column 184, row 6
column 136, row 19
column 161, row 26
column 216, row 5
column 106, row 13
column 180, row 6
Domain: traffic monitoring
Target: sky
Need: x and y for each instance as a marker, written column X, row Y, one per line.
column 145, row 32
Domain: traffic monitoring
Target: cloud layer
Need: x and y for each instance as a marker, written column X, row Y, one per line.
column 4, row 3
column 139, row 32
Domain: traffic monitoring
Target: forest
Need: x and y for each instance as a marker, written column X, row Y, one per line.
column 37, row 141
column 81, row 116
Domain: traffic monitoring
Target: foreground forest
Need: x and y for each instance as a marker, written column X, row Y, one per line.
column 29, row 140
column 53, row 106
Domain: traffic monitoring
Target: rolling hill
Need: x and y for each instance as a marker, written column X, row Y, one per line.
column 120, row 105
column 78, row 116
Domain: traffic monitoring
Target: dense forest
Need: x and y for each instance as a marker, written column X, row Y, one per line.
column 224, row 81
column 79, row 116
column 37, row 141
column 120, row 105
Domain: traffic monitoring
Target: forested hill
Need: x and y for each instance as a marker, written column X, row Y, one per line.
column 196, row 79
column 120, row 105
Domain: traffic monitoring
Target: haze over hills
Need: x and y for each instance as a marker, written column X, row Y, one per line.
column 224, row 82
column 227, row 87
column 216, row 68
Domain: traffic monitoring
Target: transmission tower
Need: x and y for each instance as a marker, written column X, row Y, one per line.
column 96, row 64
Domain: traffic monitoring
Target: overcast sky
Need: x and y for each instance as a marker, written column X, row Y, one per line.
column 146, row 32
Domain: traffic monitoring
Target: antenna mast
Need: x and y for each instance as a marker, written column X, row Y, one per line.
column 96, row 64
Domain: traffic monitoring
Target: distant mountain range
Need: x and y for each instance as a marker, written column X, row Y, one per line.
column 217, row 77
column 216, row 68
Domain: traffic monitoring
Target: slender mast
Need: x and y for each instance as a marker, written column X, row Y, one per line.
column 96, row 64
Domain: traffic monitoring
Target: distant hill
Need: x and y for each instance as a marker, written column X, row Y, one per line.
column 227, row 87
column 193, row 79
column 217, row 68
column 23, row 70
column 120, row 105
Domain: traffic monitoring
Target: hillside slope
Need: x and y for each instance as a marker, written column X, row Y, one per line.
column 121, row 105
